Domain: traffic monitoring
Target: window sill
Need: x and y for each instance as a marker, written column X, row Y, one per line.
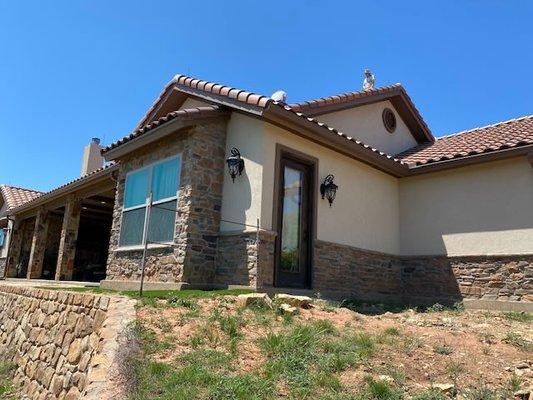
column 140, row 248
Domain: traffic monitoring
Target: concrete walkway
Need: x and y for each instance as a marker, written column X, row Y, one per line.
column 46, row 283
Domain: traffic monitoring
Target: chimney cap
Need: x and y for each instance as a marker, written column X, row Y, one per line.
column 95, row 140
column 279, row 95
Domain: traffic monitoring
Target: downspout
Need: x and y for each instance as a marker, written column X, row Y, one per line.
column 8, row 245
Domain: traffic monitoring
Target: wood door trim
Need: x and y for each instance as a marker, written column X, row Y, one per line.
column 283, row 151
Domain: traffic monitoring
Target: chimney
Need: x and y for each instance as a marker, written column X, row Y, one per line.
column 92, row 159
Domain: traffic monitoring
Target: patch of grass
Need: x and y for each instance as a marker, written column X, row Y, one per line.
column 6, row 386
column 150, row 340
column 431, row 394
column 517, row 340
column 306, row 357
column 185, row 294
column 411, row 343
column 391, row 331
column 380, row 390
column 443, row 349
column 487, row 338
column 519, row 316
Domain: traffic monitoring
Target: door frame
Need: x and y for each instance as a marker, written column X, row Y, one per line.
column 284, row 152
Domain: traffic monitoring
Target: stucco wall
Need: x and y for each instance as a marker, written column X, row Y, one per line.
column 478, row 210
column 365, row 213
column 366, row 124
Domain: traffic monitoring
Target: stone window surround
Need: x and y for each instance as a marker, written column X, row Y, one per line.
column 176, row 197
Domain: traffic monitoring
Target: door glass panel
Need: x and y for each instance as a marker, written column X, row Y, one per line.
column 292, row 214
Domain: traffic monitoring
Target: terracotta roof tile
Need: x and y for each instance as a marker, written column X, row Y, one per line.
column 16, row 196
column 185, row 114
column 500, row 136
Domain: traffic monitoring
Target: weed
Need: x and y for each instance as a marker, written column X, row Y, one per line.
column 183, row 302
column 519, row 316
column 487, row 338
column 325, row 326
column 443, row 349
column 480, row 392
column 412, row 343
column 517, row 340
column 392, row 331
column 395, row 373
column 431, row 394
column 6, row 373
column 380, row 390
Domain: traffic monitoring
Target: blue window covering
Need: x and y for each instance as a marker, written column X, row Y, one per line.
column 2, row 237
column 165, row 179
column 136, row 188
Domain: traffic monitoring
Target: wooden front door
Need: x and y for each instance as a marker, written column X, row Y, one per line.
column 293, row 247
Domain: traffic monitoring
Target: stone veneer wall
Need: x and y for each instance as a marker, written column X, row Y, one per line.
column 62, row 343
column 3, row 263
column 239, row 263
column 374, row 276
column 192, row 257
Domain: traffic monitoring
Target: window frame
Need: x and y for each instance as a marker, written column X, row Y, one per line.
column 151, row 168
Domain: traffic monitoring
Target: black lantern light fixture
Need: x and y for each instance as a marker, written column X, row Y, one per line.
column 328, row 189
column 235, row 163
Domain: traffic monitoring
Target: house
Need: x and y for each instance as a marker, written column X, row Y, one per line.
column 10, row 198
column 349, row 195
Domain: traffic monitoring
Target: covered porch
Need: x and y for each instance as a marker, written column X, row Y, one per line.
column 64, row 234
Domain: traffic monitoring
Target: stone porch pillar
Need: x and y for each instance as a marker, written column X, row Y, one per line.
column 200, row 201
column 15, row 248
column 69, row 237
column 38, row 245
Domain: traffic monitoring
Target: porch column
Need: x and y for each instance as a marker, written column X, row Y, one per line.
column 15, row 248
column 38, row 245
column 69, row 236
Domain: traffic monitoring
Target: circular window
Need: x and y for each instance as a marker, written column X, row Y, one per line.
column 389, row 120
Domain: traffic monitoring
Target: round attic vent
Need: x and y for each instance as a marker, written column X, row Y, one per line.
column 389, row 120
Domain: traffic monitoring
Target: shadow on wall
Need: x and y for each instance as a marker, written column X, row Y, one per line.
column 241, row 202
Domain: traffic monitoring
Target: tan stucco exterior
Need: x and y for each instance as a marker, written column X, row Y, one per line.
column 365, row 123
column 366, row 211
column 484, row 209
column 476, row 210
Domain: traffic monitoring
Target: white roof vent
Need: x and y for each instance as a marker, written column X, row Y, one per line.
column 370, row 80
column 280, row 96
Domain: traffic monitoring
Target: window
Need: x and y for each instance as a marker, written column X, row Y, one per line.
column 162, row 180
column 389, row 120
column 2, row 237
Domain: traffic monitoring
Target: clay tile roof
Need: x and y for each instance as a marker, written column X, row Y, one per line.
column 222, row 90
column 311, row 105
column 185, row 114
column 500, row 136
column 16, row 196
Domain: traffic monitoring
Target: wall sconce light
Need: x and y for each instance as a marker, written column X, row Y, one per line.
column 235, row 163
column 328, row 189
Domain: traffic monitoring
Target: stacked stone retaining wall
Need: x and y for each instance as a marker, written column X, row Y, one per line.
column 63, row 344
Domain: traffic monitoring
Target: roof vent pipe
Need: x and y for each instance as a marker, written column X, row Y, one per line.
column 279, row 96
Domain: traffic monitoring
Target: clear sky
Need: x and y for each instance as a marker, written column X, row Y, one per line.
column 74, row 69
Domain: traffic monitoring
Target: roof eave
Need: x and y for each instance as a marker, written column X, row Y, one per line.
column 54, row 194
column 472, row 159
column 156, row 134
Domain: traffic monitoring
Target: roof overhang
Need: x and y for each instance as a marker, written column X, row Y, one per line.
column 473, row 159
column 150, row 135
column 82, row 187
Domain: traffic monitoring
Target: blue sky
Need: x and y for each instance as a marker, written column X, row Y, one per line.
column 92, row 68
